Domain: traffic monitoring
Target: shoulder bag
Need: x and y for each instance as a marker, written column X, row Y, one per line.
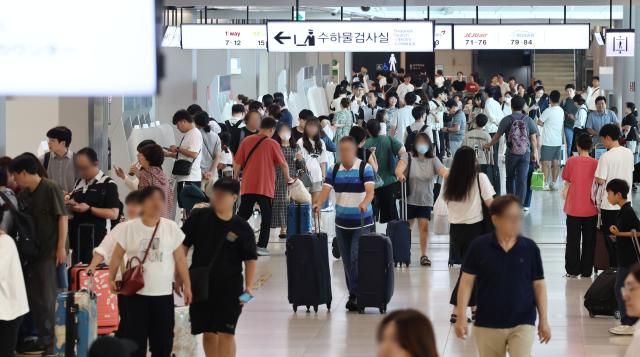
column 253, row 149
column 487, row 225
column 133, row 277
column 200, row 278
column 182, row 167
column 379, row 181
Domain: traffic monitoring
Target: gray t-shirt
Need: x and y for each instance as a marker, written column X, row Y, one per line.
column 421, row 179
column 505, row 126
column 461, row 120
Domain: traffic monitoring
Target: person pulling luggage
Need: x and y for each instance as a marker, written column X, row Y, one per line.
column 353, row 182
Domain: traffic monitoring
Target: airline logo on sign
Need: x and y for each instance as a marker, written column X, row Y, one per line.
column 369, row 36
column 529, row 37
column 442, row 37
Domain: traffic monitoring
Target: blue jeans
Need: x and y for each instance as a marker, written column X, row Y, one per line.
column 517, row 169
column 454, row 146
column 621, row 274
column 348, row 243
column 568, row 133
column 527, row 196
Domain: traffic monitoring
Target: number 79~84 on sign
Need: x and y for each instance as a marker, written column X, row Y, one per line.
column 348, row 36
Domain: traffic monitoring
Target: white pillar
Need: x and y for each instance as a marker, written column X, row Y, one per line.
column 636, row 26
column 624, row 71
column 348, row 65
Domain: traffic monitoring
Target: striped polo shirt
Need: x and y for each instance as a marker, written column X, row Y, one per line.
column 349, row 194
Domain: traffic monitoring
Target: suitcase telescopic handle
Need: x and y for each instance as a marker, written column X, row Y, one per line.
column 404, row 210
column 316, row 218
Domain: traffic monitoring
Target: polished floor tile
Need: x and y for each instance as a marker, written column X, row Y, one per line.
column 268, row 326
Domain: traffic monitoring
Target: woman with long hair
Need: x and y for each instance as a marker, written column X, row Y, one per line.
column 293, row 156
column 314, row 153
column 630, row 126
column 467, row 192
column 406, row 333
column 393, row 105
column 419, row 169
column 383, row 118
column 211, row 149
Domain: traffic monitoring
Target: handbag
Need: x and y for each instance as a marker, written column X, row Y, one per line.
column 537, row 181
column 200, row 278
column 182, row 167
column 379, row 181
column 440, row 216
column 487, row 224
column 133, row 277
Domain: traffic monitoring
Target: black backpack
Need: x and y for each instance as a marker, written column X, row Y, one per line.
column 363, row 165
column 411, row 137
column 107, row 179
column 23, row 232
column 47, row 158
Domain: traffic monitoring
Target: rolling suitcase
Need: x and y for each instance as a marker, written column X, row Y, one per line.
column 298, row 218
column 308, row 275
column 600, row 298
column 399, row 232
column 75, row 323
column 107, row 302
column 375, row 267
column 184, row 343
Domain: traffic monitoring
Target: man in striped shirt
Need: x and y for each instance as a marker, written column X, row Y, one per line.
column 353, row 182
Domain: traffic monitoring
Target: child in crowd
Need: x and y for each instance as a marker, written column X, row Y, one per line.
column 624, row 232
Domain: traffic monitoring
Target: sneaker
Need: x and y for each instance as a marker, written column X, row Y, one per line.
column 570, row 276
column 352, row 304
column 424, row 261
column 263, row 252
column 552, row 186
column 622, row 330
column 526, row 209
column 545, row 187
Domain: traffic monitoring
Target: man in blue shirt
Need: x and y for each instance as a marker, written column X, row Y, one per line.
column 354, row 183
column 599, row 118
column 506, row 270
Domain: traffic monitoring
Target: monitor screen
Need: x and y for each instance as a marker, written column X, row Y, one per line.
column 78, row 48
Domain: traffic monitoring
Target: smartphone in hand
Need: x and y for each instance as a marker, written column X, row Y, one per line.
column 245, row 297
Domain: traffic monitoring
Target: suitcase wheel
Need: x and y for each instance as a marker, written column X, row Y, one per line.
column 295, row 308
column 395, row 265
column 361, row 310
column 315, row 308
column 591, row 314
column 308, row 309
column 329, row 307
column 383, row 309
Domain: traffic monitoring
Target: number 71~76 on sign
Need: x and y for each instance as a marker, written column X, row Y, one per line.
column 350, row 36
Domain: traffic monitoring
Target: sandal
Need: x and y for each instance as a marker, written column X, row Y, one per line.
column 424, row 261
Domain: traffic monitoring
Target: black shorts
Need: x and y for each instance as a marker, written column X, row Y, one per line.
column 418, row 212
column 219, row 314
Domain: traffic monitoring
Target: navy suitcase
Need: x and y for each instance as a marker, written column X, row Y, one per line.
column 308, row 275
column 298, row 218
column 399, row 232
column 375, row 272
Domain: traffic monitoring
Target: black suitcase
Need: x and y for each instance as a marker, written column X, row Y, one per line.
column 375, row 272
column 399, row 232
column 636, row 173
column 600, row 298
column 308, row 276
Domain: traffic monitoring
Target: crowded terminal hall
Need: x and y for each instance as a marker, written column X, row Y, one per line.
column 196, row 178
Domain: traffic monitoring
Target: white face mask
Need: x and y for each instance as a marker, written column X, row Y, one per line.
column 285, row 136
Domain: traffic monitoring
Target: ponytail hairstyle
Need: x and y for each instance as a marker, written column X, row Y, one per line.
column 202, row 120
column 632, row 108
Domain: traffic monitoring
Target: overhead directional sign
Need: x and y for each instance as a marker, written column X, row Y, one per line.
column 620, row 43
column 350, row 36
column 525, row 37
column 443, row 37
column 223, row 36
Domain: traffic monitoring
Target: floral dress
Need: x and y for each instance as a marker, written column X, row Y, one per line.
column 279, row 218
column 346, row 118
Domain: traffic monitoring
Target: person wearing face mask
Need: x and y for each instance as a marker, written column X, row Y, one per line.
column 419, row 169
column 406, row 333
column 293, row 156
column 506, row 104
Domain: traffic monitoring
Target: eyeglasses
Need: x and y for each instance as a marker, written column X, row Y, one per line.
column 627, row 291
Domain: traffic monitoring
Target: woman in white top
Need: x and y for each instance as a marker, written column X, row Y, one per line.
column 314, row 153
column 581, row 119
column 464, row 192
column 150, row 312
column 211, row 147
column 13, row 295
column 631, row 296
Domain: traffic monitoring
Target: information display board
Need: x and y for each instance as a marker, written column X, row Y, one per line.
column 78, row 48
column 620, row 43
column 224, row 37
column 350, row 36
column 521, row 37
column 443, row 37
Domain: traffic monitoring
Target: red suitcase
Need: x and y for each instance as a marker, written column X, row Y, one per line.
column 107, row 302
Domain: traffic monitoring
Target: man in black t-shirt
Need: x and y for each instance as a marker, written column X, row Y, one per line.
column 459, row 84
column 221, row 241
column 95, row 205
column 627, row 250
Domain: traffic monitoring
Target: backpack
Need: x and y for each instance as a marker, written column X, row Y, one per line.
column 363, row 165
column 411, row 137
column 23, row 232
column 47, row 158
column 518, row 136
